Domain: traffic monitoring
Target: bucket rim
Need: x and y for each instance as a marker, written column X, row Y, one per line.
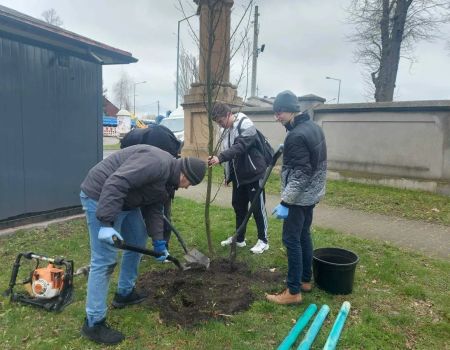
column 336, row 264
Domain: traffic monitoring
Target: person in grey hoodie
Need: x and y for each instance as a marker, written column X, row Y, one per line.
column 111, row 195
column 245, row 167
column 303, row 179
column 163, row 138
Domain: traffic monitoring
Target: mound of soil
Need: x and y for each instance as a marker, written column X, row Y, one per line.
column 194, row 296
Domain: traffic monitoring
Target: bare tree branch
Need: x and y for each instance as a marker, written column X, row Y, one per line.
column 213, row 77
column 188, row 73
column 386, row 30
column 51, row 17
column 122, row 91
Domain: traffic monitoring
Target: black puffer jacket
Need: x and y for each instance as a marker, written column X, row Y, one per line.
column 303, row 175
column 130, row 178
column 240, row 149
column 154, row 135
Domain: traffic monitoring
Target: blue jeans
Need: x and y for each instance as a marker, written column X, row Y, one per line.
column 104, row 257
column 298, row 243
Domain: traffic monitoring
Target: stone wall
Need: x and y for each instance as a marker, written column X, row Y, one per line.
column 401, row 144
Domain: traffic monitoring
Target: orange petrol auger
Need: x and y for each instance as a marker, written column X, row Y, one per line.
column 49, row 287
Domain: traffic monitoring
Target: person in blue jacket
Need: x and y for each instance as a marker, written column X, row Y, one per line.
column 303, row 179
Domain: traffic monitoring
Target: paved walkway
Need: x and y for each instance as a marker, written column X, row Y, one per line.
column 429, row 239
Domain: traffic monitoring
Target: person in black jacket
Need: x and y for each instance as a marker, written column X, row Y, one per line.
column 153, row 135
column 111, row 195
column 303, row 179
column 163, row 138
column 245, row 167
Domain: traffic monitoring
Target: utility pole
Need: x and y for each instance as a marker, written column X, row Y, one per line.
column 134, row 96
column 158, row 107
column 256, row 51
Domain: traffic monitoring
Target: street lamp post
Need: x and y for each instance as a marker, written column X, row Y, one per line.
column 339, row 88
column 178, row 54
column 134, row 96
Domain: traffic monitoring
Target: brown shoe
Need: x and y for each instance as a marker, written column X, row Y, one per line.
column 306, row 287
column 285, row 298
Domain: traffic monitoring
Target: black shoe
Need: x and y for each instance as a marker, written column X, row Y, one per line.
column 101, row 333
column 120, row 301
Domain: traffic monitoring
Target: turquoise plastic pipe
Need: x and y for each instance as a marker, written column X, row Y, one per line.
column 314, row 329
column 298, row 327
column 337, row 327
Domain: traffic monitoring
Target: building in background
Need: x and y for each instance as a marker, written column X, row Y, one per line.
column 51, row 101
column 109, row 109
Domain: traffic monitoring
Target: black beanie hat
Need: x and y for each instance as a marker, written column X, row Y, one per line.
column 286, row 101
column 194, row 169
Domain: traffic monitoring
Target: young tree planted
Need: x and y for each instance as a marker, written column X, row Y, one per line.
column 217, row 47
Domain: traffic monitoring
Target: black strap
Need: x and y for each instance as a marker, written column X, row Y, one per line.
column 239, row 125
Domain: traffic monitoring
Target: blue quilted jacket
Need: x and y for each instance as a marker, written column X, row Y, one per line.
column 303, row 174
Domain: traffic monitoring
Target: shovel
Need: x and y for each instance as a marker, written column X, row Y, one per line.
column 192, row 256
column 120, row 244
column 253, row 204
column 83, row 270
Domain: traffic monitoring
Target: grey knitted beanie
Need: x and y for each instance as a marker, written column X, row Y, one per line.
column 286, row 101
column 194, row 169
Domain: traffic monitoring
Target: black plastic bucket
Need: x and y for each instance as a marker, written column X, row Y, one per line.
column 334, row 269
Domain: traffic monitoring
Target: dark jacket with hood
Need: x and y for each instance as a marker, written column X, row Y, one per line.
column 240, row 149
column 131, row 178
column 163, row 138
column 154, row 135
column 303, row 175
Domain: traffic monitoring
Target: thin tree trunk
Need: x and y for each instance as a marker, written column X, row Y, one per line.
column 391, row 42
column 209, row 96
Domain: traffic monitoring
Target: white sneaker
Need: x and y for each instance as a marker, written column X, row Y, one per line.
column 229, row 240
column 259, row 247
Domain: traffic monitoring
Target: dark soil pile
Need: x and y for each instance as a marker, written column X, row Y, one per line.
column 190, row 297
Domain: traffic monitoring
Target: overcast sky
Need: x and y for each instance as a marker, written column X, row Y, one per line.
column 305, row 42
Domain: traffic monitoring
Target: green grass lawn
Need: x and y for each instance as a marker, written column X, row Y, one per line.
column 409, row 204
column 400, row 298
column 115, row 146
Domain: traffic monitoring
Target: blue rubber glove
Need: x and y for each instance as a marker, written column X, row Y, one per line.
column 106, row 234
column 159, row 246
column 280, row 211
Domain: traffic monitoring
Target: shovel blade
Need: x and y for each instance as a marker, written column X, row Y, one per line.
column 194, row 256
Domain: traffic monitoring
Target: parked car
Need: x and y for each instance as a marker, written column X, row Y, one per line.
column 176, row 125
column 148, row 121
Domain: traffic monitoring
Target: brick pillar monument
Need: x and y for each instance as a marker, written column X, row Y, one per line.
column 214, row 48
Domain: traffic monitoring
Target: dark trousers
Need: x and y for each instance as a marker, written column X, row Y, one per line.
column 242, row 196
column 298, row 243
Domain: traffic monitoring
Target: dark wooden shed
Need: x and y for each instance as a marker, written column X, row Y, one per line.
column 50, row 115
